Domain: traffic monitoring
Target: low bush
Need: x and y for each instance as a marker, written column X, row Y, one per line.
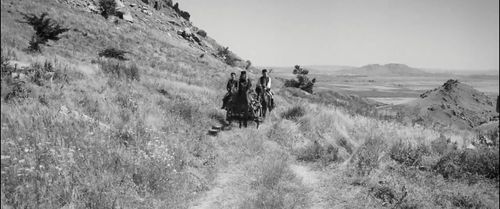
column 120, row 70
column 464, row 163
column 16, row 90
column 407, row 154
column 47, row 72
column 294, row 113
column 315, row 152
column 107, row 7
column 459, row 200
column 113, row 53
column 227, row 56
column 5, row 68
column 366, row 158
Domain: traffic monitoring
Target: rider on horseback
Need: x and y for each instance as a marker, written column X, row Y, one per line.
column 232, row 88
column 263, row 89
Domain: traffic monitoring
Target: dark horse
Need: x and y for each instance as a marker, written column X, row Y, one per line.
column 266, row 101
column 243, row 109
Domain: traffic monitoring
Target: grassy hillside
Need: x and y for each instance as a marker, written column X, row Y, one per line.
column 102, row 133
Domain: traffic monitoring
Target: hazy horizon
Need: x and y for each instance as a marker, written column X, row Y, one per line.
column 431, row 34
column 352, row 66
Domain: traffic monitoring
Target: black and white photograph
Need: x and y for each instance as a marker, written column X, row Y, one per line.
column 237, row 104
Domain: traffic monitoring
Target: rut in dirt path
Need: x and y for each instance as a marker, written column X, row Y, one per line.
column 215, row 196
column 313, row 181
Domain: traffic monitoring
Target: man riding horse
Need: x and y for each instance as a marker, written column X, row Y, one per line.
column 243, row 97
column 263, row 90
column 232, row 89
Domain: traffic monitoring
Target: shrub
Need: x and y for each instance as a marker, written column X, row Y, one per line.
column 18, row 90
column 202, row 33
column 440, row 145
column 227, row 56
column 113, row 53
column 120, row 70
column 407, row 154
column 367, row 156
column 315, row 152
column 45, row 29
column 390, row 195
column 465, row 163
column 107, row 7
column 5, row 68
column 294, row 113
column 459, row 200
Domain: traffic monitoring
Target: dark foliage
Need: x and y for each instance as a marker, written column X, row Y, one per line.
column 228, row 57
column 407, row 154
column 45, row 29
column 294, row 113
column 5, row 68
column 464, row 163
column 202, row 33
column 107, row 7
column 113, row 53
column 303, row 82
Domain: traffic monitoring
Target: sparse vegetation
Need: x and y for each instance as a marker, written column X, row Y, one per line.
column 227, row 56
column 45, row 29
column 294, row 113
column 113, row 53
column 464, row 163
column 118, row 69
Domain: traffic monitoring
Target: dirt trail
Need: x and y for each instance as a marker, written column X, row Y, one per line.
column 215, row 197
column 314, row 181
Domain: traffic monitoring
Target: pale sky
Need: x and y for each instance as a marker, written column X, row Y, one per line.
column 449, row 34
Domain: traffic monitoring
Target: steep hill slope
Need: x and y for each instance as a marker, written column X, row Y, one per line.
column 391, row 69
column 455, row 104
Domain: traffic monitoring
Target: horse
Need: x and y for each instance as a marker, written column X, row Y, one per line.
column 266, row 101
column 243, row 109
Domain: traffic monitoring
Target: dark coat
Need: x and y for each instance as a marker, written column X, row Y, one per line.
column 232, row 86
column 244, row 87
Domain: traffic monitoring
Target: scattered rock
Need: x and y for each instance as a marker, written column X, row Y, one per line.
column 119, row 4
column 92, row 9
column 145, row 11
column 128, row 17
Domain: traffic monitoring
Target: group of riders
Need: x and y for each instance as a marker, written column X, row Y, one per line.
column 241, row 101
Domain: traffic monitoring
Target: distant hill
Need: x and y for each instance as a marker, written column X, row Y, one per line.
column 452, row 104
column 391, row 69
